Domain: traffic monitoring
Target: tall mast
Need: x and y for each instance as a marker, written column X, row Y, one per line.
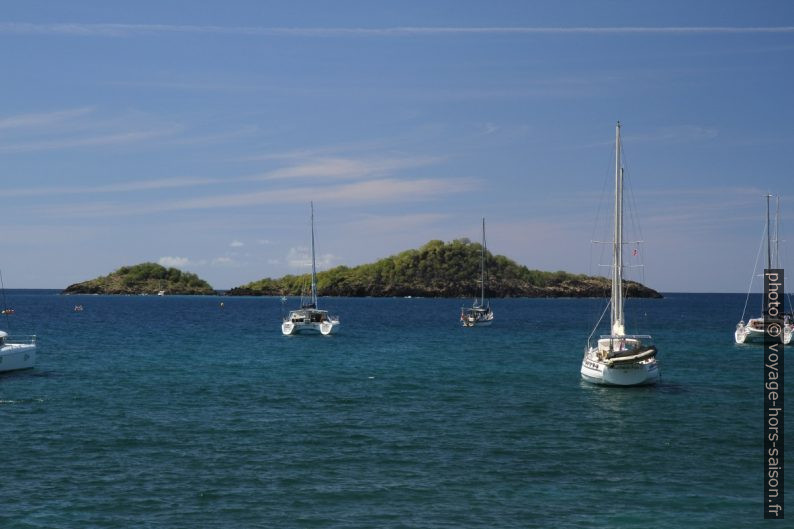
column 314, row 266
column 617, row 247
column 768, row 236
column 482, row 264
column 777, row 232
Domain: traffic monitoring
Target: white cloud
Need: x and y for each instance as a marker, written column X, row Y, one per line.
column 299, row 257
column 236, row 244
column 175, row 262
column 223, row 261
column 326, row 260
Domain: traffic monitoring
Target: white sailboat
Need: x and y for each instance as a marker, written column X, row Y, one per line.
column 619, row 359
column 16, row 352
column 753, row 330
column 309, row 318
column 480, row 313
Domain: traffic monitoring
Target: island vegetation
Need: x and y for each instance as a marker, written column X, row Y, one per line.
column 440, row 269
column 144, row 278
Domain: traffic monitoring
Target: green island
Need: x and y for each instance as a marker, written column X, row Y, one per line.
column 440, row 269
column 144, row 278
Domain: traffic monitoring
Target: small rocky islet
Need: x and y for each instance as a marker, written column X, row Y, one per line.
column 144, row 278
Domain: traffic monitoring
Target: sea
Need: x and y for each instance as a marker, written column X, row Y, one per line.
column 171, row 412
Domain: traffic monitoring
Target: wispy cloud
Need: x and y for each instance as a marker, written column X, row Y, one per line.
column 119, row 138
column 347, row 168
column 382, row 190
column 141, row 185
column 390, row 224
column 386, row 190
column 236, row 244
column 43, row 119
column 128, row 30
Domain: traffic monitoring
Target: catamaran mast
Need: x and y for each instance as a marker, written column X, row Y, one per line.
column 314, row 266
column 482, row 265
column 617, row 257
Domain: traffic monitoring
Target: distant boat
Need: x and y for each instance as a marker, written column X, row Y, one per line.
column 619, row 359
column 15, row 352
column 78, row 308
column 753, row 330
column 309, row 318
column 480, row 313
column 161, row 292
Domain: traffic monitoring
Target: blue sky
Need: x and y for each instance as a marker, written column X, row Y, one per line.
column 195, row 133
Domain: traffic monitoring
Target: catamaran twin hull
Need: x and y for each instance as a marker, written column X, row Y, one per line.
column 476, row 317
column 325, row 328
column 309, row 322
column 17, row 356
column 753, row 332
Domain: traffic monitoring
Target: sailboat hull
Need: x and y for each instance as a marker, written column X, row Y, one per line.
column 17, row 356
column 631, row 374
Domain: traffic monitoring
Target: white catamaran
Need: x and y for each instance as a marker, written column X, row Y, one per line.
column 753, row 330
column 480, row 313
column 619, row 359
column 308, row 318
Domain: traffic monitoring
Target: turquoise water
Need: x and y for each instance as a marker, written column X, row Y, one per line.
column 174, row 412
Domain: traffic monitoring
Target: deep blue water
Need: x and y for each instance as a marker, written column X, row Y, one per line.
column 174, row 412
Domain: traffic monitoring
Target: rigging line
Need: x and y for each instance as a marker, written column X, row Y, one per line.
column 755, row 267
column 633, row 210
column 598, row 323
column 602, row 196
column 599, row 227
column 5, row 305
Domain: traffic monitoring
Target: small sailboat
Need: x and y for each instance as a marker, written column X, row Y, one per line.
column 17, row 352
column 753, row 330
column 309, row 318
column 619, row 359
column 480, row 313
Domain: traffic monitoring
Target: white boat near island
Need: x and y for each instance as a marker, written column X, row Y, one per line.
column 753, row 330
column 16, row 352
column 619, row 359
column 480, row 313
column 309, row 318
